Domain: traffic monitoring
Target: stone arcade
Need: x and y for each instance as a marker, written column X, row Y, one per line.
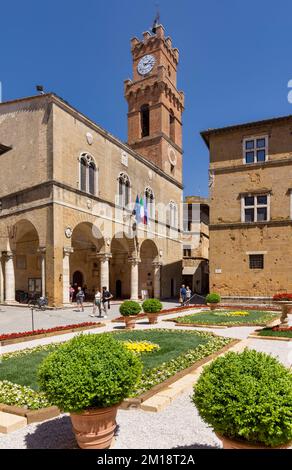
column 67, row 185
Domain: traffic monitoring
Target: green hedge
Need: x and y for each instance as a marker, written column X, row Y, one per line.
column 152, row 306
column 130, row 307
column 89, row 371
column 247, row 396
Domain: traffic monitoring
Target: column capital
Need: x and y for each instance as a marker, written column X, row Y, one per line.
column 134, row 260
column 68, row 250
column 157, row 264
column 8, row 254
column 103, row 256
column 42, row 250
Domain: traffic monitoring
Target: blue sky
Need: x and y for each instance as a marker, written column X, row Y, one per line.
column 235, row 60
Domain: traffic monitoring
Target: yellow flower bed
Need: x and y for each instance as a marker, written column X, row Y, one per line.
column 141, row 346
column 238, row 313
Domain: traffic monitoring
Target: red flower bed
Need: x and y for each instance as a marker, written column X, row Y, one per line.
column 282, row 328
column 43, row 331
column 282, row 297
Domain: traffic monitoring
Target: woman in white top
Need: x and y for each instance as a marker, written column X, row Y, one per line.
column 96, row 304
column 188, row 295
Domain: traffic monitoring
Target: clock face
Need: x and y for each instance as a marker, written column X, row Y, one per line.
column 146, row 64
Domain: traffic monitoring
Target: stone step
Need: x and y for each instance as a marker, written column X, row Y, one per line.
column 10, row 422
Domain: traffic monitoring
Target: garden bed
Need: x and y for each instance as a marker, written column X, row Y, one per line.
column 179, row 350
column 12, row 338
column 226, row 318
column 276, row 333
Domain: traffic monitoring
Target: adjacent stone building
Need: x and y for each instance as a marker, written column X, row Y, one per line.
column 195, row 239
column 250, row 208
column 68, row 189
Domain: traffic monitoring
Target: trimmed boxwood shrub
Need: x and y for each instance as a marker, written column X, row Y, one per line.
column 213, row 298
column 247, row 396
column 152, row 306
column 89, row 371
column 130, row 307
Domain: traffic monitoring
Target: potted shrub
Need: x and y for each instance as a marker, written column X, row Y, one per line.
column 89, row 376
column 247, row 399
column 129, row 310
column 152, row 307
column 213, row 300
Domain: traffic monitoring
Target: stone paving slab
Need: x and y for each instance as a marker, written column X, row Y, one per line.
column 10, row 422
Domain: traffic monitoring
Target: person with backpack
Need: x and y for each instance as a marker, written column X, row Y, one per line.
column 106, row 296
column 96, row 304
column 80, row 299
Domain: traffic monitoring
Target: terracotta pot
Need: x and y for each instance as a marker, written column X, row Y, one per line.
column 152, row 317
column 94, row 428
column 234, row 444
column 130, row 322
column 213, row 306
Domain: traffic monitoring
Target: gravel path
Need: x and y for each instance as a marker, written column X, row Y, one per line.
column 178, row 426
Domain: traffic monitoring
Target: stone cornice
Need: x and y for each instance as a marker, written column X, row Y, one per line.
column 252, row 166
column 247, row 225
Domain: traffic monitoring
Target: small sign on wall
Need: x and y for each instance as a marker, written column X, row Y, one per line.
column 218, row 271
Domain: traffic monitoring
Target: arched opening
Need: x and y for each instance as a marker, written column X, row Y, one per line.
column 78, row 279
column 120, row 272
column 172, row 125
column 145, row 120
column 27, row 261
column 124, row 190
column 119, row 291
column 149, row 196
column 84, row 261
column 88, row 172
column 148, row 253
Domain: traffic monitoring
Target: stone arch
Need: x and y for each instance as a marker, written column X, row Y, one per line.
column 87, row 245
column 24, row 244
column 122, row 249
column 148, row 255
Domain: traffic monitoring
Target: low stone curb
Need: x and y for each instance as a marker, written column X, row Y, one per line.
column 22, row 339
column 160, row 389
column 32, row 416
column 277, row 338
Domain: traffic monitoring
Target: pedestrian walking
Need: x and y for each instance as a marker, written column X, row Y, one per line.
column 80, row 299
column 106, row 297
column 188, row 295
column 71, row 293
column 182, row 294
column 96, row 304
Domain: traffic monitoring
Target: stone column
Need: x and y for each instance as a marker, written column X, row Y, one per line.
column 42, row 253
column 156, row 279
column 9, row 278
column 104, row 269
column 66, row 273
column 134, row 261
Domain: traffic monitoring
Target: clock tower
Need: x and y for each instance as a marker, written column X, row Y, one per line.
column 155, row 105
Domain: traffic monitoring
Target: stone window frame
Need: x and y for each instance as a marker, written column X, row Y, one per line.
column 255, row 206
column 89, row 160
column 256, row 260
column 121, row 199
column 150, row 206
column 255, row 138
